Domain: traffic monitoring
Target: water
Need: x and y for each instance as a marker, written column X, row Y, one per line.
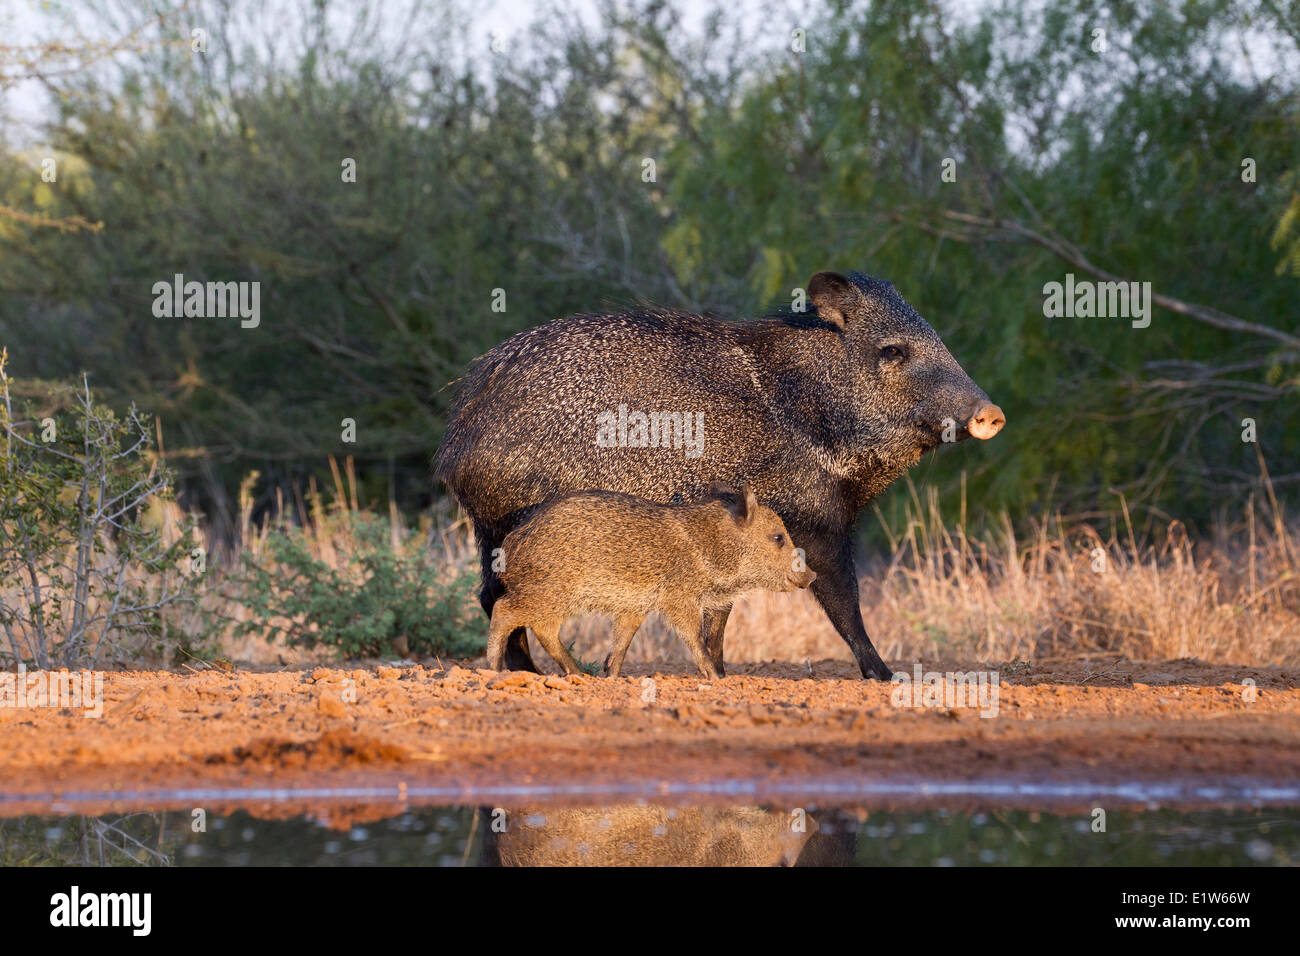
column 641, row 833
column 833, row 791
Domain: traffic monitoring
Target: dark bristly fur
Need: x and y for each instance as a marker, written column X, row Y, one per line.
column 817, row 412
column 601, row 552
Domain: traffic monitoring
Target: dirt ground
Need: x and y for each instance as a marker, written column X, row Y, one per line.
column 444, row 733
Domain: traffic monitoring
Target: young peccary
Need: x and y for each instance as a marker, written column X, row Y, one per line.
column 602, row 552
column 818, row 412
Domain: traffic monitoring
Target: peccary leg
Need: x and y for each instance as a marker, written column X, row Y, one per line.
column 502, row 624
column 548, row 635
column 686, row 622
column 625, row 628
column 836, row 590
column 517, row 657
column 715, row 622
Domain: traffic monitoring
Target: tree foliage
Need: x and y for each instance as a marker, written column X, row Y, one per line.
column 526, row 171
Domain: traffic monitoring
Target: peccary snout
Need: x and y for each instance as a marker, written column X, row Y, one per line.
column 803, row 579
column 986, row 422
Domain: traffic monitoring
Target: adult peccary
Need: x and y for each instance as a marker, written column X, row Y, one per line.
column 818, row 412
column 607, row 553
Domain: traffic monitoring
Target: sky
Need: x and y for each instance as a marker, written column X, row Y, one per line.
column 24, row 22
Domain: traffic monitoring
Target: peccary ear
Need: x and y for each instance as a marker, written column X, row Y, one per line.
column 736, row 502
column 834, row 296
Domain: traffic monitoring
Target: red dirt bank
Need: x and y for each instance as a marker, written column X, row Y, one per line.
column 477, row 734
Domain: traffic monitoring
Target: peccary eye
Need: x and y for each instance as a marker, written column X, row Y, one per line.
column 779, row 539
column 892, row 353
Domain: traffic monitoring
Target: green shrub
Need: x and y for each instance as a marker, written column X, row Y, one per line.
column 376, row 595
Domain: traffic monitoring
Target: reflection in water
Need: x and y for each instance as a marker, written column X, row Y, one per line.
column 656, row 835
column 134, row 839
column 664, row 836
